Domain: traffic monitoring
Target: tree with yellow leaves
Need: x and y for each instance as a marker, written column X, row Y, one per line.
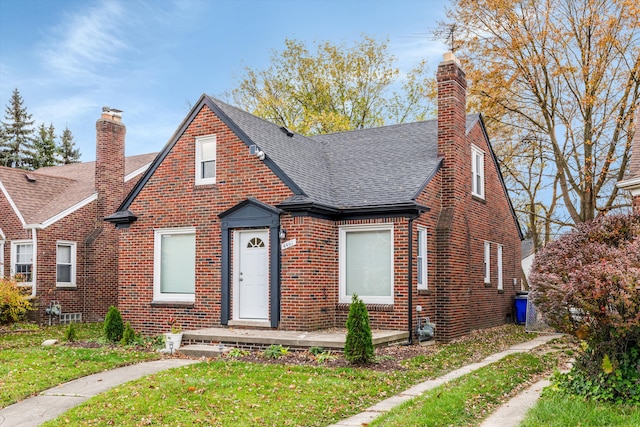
column 335, row 88
column 559, row 80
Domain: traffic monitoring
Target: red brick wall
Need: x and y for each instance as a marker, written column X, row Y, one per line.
column 457, row 299
column 171, row 199
column 462, row 300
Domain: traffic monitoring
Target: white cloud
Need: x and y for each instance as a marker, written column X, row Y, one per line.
column 88, row 40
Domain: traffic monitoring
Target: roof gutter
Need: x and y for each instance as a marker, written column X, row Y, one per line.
column 406, row 209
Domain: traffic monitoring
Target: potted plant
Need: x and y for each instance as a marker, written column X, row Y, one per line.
column 173, row 338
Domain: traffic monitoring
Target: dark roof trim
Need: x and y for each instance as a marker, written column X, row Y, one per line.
column 309, row 208
column 500, row 176
column 250, row 202
column 204, row 100
column 121, row 219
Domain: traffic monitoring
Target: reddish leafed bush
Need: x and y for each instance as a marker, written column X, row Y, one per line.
column 587, row 283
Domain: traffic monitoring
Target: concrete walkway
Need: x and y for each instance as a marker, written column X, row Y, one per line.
column 53, row 402
column 380, row 408
column 511, row 414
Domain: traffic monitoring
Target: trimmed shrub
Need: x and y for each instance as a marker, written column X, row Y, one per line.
column 113, row 326
column 128, row 335
column 70, row 333
column 14, row 303
column 358, row 347
column 587, row 283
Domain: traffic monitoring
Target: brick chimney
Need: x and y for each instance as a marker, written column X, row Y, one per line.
column 109, row 173
column 450, row 284
column 632, row 183
column 452, row 122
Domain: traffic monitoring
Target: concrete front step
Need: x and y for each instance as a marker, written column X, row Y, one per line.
column 204, row 350
column 259, row 338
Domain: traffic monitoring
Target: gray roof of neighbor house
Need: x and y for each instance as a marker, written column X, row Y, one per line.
column 365, row 169
column 42, row 194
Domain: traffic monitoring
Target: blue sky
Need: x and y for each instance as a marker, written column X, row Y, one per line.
column 154, row 58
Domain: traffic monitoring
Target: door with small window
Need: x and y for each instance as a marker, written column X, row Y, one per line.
column 252, row 275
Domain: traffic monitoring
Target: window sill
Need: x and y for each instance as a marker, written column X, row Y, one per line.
column 479, row 199
column 501, row 291
column 205, row 186
column 66, row 286
column 487, row 285
column 173, row 304
column 344, row 306
column 424, row 292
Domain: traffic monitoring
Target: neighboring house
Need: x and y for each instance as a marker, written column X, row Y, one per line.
column 52, row 233
column 632, row 182
column 240, row 222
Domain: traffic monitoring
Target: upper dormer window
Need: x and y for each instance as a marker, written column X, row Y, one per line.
column 477, row 172
column 205, row 160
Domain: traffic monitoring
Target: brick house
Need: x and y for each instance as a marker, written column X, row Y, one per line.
column 240, row 222
column 632, row 181
column 52, row 232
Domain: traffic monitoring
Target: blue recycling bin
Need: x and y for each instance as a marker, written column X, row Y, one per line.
column 521, row 307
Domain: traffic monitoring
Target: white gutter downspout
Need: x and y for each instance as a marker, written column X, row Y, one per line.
column 34, row 268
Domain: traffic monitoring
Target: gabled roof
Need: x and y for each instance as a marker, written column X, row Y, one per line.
column 40, row 197
column 360, row 172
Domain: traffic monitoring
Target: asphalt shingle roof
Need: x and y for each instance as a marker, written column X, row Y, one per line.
column 42, row 194
column 361, row 168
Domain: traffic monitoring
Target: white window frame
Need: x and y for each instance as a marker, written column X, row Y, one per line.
column 14, row 245
column 72, row 246
column 158, row 295
column 477, row 171
column 422, row 259
column 344, row 298
column 487, row 262
column 200, row 141
column 499, row 262
column 1, row 254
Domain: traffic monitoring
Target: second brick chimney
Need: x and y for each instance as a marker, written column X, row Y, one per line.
column 109, row 172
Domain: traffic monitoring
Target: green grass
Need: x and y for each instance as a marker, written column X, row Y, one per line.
column 27, row 368
column 227, row 392
column 224, row 393
column 556, row 410
column 467, row 400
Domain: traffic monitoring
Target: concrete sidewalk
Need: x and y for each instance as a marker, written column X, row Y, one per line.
column 53, row 402
column 380, row 408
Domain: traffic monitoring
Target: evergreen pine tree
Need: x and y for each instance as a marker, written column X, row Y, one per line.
column 16, row 149
column 113, row 327
column 67, row 149
column 45, row 148
column 358, row 347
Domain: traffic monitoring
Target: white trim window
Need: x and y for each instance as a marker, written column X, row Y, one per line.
column 174, row 264
column 66, row 264
column 500, row 282
column 205, row 166
column 477, row 172
column 487, row 262
column 423, row 282
column 1, row 257
column 366, row 263
column 22, row 261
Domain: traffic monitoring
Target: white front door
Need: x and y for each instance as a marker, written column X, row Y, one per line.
column 252, row 275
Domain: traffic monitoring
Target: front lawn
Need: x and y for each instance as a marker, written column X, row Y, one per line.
column 26, row 367
column 242, row 393
column 556, row 410
column 469, row 399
